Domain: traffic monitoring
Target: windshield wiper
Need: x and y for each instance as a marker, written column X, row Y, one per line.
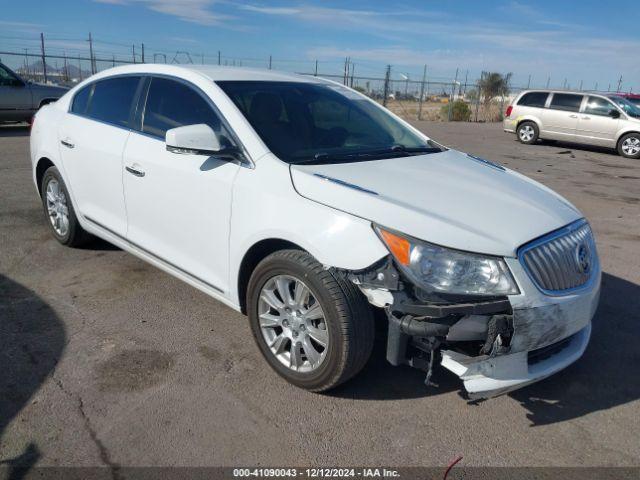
column 421, row 149
column 378, row 154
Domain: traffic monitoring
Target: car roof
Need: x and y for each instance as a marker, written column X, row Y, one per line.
column 212, row 72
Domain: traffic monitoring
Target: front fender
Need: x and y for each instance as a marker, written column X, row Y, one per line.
column 266, row 206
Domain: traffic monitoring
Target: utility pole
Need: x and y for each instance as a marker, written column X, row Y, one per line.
column 113, row 59
column 453, row 94
column 316, row 70
column 91, row 59
column 345, row 75
column 133, row 52
column 619, row 81
column 466, row 77
column 596, row 88
column 529, row 82
column 479, row 90
column 143, row 53
column 353, row 69
column 26, row 60
column 424, row 79
column 218, row 57
column 580, row 85
column 66, row 69
column 44, row 60
column 270, row 60
column 564, row 85
column 386, row 86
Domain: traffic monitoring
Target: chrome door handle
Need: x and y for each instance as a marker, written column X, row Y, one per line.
column 573, row 116
column 67, row 143
column 134, row 171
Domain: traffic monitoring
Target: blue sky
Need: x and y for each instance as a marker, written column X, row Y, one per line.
column 576, row 40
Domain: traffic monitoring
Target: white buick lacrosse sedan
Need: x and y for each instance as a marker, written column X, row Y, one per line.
column 307, row 206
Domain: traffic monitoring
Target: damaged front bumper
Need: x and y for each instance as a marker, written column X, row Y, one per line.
column 495, row 345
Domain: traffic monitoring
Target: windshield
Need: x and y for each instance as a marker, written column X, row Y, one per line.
column 310, row 122
column 628, row 107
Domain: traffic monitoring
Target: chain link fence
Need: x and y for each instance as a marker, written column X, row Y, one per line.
column 423, row 99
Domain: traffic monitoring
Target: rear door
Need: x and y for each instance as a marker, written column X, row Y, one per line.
column 561, row 118
column 92, row 138
column 596, row 125
column 179, row 205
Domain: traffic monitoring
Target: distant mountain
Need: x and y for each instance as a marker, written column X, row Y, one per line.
column 73, row 71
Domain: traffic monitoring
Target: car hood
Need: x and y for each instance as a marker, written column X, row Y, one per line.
column 449, row 198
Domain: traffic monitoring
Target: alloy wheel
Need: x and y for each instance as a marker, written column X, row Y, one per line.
column 631, row 146
column 526, row 133
column 293, row 323
column 57, row 207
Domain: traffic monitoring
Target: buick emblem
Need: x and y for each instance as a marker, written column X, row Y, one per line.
column 583, row 258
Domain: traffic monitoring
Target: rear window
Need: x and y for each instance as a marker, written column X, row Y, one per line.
column 81, row 100
column 112, row 98
column 566, row 101
column 534, row 99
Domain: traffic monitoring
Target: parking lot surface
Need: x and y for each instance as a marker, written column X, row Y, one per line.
column 105, row 360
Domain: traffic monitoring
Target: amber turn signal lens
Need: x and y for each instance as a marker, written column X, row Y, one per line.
column 399, row 247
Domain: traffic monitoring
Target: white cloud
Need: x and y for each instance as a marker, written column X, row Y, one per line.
column 195, row 11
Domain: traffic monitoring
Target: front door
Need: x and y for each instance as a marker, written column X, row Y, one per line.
column 15, row 97
column 92, row 139
column 179, row 205
column 596, row 124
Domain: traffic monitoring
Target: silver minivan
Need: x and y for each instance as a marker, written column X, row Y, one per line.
column 580, row 117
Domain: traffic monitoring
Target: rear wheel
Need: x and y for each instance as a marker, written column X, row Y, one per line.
column 314, row 329
column 629, row 145
column 528, row 133
column 59, row 210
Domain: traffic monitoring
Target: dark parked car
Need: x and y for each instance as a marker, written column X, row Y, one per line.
column 20, row 99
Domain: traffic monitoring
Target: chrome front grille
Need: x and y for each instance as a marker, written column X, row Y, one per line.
column 562, row 261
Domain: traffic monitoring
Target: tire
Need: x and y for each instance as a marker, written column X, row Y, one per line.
column 347, row 316
column 629, row 145
column 73, row 235
column 528, row 133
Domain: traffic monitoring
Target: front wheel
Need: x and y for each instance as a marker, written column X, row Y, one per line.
column 629, row 145
column 314, row 328
column 528, row 133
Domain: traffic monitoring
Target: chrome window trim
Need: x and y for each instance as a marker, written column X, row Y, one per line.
column 248, row 161
column 595, row 272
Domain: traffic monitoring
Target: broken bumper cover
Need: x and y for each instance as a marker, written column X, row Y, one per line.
column 550, row 333
column 502, row 374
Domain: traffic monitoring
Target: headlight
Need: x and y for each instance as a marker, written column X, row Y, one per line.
column 433, row 267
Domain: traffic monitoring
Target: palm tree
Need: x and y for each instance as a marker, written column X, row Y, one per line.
column 492, row 85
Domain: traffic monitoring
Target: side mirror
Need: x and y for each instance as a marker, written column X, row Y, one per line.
column 199, row 139
column 613, row 113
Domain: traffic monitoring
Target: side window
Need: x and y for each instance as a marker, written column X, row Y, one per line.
column 598, row 106
column 8, row 79
column 112, row 99
column 566, row 101
column 172, row 104
column 81, row 100
column 534, row 99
